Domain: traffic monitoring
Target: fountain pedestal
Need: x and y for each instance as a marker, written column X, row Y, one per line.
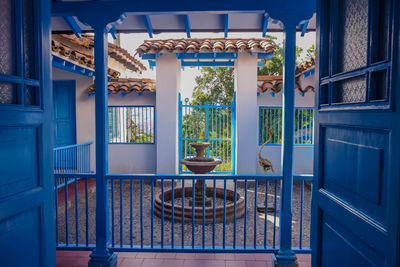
column 199, row 196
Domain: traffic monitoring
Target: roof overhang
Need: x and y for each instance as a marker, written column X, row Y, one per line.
column 188, row 16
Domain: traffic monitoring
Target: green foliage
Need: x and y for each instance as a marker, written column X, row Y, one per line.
column 215, row 86
column 274, row 65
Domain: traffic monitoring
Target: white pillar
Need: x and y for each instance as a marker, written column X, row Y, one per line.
column 246, row 114
column 168, row 78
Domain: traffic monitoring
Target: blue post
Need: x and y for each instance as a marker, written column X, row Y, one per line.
column 101, row 255
column 233, row 133
column 285, row 255
column 206, row 126
column 180, row 131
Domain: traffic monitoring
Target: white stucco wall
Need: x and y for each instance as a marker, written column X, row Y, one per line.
column 122, row 158
column 303, row 156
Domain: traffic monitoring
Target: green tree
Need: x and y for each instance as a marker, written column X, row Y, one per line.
column 274, row 65
column 214, row 86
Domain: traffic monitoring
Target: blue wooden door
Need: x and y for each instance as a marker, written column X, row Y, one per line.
column 64, row 113
column 356, row 193
column 27, row 231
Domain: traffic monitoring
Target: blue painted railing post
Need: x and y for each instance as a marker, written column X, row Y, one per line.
column 206, row 126
column 101, row 255
column 285, row 255
column 180, row 129
column 233, row 133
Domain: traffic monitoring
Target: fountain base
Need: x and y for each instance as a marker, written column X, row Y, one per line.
column 233, row 210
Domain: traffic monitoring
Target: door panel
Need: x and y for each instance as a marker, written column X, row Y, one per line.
column 355, row 211
column 26, row 181
column 64, row 113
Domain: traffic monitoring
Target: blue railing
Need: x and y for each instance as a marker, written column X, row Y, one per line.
column 72, row 159
column 211, row 123
column 271, row 118
column 146, row 213
column 131, row 124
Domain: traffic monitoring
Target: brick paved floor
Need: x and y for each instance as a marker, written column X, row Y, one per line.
column 133, row 259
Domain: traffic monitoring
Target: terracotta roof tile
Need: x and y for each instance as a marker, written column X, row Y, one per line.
column 196, row 45
column 305, row 66
column 128, row 85
column 274, row 84
column 80, row 51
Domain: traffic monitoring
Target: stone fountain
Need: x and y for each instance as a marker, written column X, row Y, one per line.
column 199, row 165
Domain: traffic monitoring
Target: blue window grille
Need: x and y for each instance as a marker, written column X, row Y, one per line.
column 131, row 124
column 271, row 118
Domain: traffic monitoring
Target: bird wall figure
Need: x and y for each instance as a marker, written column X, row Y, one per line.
column 264, row 162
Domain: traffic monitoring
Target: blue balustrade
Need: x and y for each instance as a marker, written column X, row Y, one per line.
column 135, row 227
column 71, row 159
column 271, row 118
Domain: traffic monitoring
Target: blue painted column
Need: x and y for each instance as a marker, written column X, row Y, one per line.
column 101, row 256
column 285, row 255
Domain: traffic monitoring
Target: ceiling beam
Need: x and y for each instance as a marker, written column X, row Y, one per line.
column 303, row 27
column 187, row 25
column 265, row 25
column 73, row 24
column 226, row 25
column 149, row 26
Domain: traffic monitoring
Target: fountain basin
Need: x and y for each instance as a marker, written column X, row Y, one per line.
column 165, row 208
column 200, row 165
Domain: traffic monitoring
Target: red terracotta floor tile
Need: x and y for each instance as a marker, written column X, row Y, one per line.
column 244, row 256
column 129, row 262
column 166, row 256
column 205, row 256
column 304, row 257
column 172, row 263
column 224, row 256
column 215, row 263
column 127, row 255
column 186, row 256
column 256, row 264
column 304, row 264
column 263, row 257
column 145, row 255
column 152, row 263
column 235, row 263
column 195, row 263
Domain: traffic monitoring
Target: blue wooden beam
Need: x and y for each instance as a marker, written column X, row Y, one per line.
column 73, row 24
column 207, row 63
column 113, row 32
column 71, row 67
column 303, row 27
column 187, row 25
column 199, row 63
column 226, row 24
column 265, row 25
column 309, row 73
column 147, row 23
column 264, row 55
